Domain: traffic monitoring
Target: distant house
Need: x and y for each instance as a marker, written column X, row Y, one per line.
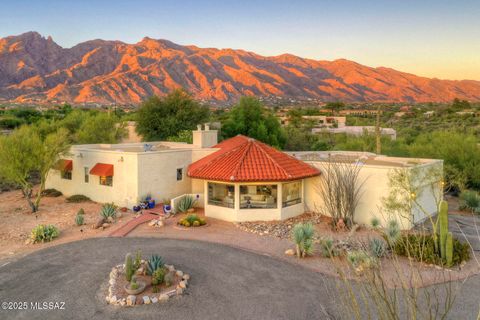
column 429, row 114
column 358, row 131
column 358, row 112
column 238, row 179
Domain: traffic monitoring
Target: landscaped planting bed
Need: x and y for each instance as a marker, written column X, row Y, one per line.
column 139, row 281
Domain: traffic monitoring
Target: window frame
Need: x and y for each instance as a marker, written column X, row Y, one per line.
column 106, row 181
column 248, row 204
column 295, row 201
column 180, row 171
column 221, row 203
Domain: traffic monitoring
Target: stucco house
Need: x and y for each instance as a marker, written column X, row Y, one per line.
column 238, row 179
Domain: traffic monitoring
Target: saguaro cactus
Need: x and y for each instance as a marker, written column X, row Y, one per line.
column 449, row 249
column 443, row 225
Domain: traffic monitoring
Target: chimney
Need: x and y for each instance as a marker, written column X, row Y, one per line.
column 205, row 138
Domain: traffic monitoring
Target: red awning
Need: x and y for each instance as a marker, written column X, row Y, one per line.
column 102, row 169
column 64, row 165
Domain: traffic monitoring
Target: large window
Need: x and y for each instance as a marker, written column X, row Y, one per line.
column 258, row 196
column 291, row 193
column 222, row 195
column 106, row 180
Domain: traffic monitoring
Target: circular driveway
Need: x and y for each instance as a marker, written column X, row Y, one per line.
column 227, row 283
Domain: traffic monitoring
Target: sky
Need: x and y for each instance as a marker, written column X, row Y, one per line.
column 429, row 38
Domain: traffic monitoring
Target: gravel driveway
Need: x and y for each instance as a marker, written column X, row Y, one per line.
column 226, row 283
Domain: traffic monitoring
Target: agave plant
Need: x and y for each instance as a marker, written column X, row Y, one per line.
column 378, row 247
column 393, row 231
column 185, row 203
column 108, row 210
column 155, row 262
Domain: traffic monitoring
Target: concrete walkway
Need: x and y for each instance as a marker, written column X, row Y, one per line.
column 227, row 283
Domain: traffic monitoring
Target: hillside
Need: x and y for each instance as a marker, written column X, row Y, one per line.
column 36, row 69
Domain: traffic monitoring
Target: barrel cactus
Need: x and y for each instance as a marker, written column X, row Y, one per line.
column 80, row 218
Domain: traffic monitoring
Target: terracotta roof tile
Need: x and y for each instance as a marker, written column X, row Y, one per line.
column 245, row 159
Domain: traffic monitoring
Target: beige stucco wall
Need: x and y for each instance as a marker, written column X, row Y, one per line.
column 136, row 174
column 125, row 182
column 375, row 188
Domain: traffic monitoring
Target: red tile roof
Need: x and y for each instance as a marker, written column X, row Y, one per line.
column 102, row 169
column 242, row 159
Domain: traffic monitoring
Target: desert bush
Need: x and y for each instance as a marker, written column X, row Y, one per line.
column 154, row 262
column 340, row 189
column 328, row 248
column 185, row 203
column 421, row 247
column 51, row 193
column 44, row 233
column 303, row 238
column 109, row 210
column 378, row 247
column 392, row 232
column 470, row 200
column 375, row 223
column 80, row 218
column 76, row 198
column 359, row 260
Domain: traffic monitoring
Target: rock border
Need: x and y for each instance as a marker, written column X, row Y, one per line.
column 131, row 300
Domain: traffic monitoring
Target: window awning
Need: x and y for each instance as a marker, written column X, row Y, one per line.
column 64, row 165
column 102, row 169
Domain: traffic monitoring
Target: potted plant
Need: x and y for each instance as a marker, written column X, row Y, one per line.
column 151, row 203
column 167, row 208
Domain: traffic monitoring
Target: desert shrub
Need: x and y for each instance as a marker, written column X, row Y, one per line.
column 154, row 262
column 378, row 247
column 470, row 200
column 80, row 217
column 421, row 247
column 375, row 223
column 392, row 232
column 328, row 248
column 76, row 198
column 303, row 238
column 44, row 233
column 109, row 210
column 185, row 203
column 51, row 193
column 359, row 259
column 158, row 276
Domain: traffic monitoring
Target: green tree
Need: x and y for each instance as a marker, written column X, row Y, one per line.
column 23, row 153
column 251, row 119
column 100, row 128
column 335, row 106
column 160, row 118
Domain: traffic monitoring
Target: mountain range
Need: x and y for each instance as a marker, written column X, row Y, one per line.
column 36, row 69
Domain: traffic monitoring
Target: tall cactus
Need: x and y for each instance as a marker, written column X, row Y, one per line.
column 443, row 225
column 129, row 270
column 449, row 249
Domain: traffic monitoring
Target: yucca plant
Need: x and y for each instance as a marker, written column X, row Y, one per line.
column 108, row 210
column 392, row 232
column 185, row 203
column 303, row 237
column 155, row 262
